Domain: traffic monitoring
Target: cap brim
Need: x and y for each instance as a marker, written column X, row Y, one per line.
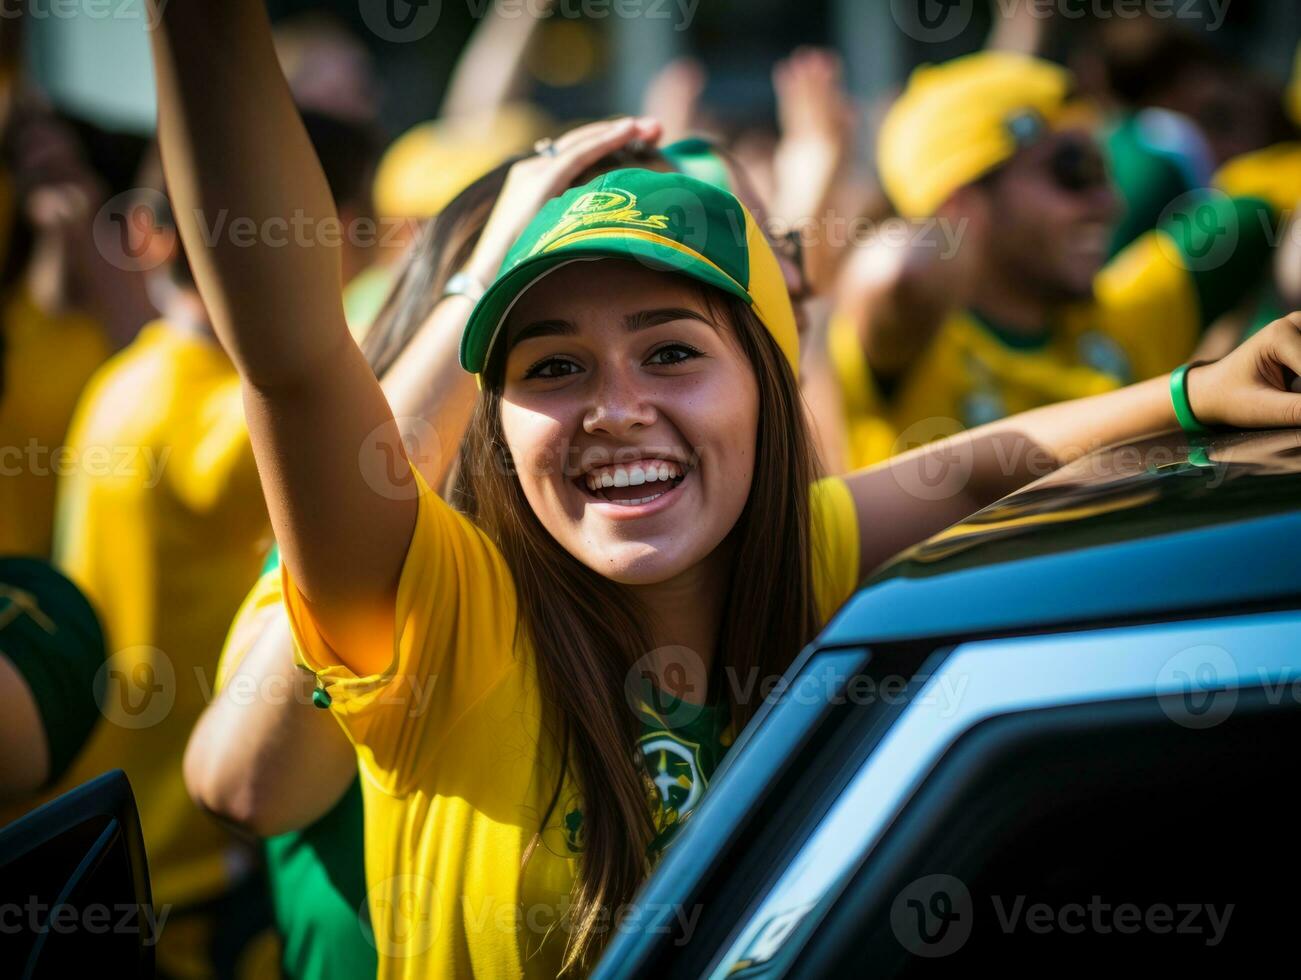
column 490, row 313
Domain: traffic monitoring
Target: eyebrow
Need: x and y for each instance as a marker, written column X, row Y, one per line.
column 633, row 322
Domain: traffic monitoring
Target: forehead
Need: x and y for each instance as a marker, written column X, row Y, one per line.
column 603, row 289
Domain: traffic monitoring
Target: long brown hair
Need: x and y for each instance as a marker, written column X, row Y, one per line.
column 586, row 631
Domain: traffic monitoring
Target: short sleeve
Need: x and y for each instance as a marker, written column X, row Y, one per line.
column 834, row 526
column 452, row 641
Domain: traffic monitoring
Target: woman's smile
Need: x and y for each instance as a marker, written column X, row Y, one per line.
column 639, row 488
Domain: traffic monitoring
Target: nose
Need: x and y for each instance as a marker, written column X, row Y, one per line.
column 621, row 402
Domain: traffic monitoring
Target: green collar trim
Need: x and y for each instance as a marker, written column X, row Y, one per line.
column 1015, row 339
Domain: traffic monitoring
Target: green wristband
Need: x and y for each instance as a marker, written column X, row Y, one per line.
column 1179, row 396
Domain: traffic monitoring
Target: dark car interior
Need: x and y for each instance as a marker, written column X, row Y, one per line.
column 1061, row 805
column 80, row 853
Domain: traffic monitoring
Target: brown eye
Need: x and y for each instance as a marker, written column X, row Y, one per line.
column 551, row 367
column 673, row 354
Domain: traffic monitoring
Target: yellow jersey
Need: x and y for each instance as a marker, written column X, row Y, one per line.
column 1149, row 307
column 457, row 767
column 163, row 527
column 47, row 361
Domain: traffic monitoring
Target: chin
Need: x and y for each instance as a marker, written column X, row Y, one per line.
column 1074, row 287
column 634, row 562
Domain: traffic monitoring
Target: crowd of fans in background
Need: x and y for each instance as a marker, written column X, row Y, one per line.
column 1026, row 233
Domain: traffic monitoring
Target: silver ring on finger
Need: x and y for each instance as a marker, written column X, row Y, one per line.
column 545, row 147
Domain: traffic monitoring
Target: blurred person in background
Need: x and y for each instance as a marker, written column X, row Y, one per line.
column 329, row 70
column 484, row 118
column 1181, row 108
column 997, row 299
column 51, row 649
column 1146, row 62
column 1154, row 153
column 53, row 337
column 1273, row 175
column 162, row 524
column 165, row 533
column 816, row 129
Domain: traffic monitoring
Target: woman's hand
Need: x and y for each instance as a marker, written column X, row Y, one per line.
column 1254, row 386
column 537, row 179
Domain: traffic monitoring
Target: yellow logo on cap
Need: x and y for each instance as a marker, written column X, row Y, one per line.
column 608, row 207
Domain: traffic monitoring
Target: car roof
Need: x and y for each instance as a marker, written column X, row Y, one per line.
column 1158, row 526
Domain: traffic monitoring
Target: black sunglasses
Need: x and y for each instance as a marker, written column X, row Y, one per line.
column 1077, row 166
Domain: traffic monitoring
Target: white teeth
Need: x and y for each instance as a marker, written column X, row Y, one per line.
column 642, row 472
column 642, row 500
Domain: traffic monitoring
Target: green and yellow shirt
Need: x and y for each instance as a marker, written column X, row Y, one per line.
column 1149, row 308
column 458, row 766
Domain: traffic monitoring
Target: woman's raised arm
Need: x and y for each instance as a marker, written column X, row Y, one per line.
column 262, row 236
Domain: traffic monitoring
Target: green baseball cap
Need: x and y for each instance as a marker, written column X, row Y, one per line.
column 665, row 221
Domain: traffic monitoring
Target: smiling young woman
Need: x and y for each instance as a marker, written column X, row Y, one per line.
column 486, row 658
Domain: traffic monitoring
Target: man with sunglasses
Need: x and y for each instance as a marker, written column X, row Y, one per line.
column 1027, row 311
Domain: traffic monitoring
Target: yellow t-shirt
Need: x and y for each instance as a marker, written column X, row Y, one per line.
column 869, row 436
column 47, row 362
column 163, row 526
column 1145, row 318
column 455, row 765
